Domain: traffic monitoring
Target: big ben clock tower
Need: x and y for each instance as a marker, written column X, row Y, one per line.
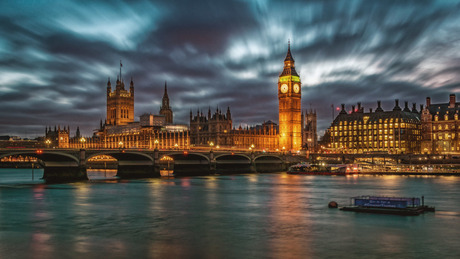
column 289, row 96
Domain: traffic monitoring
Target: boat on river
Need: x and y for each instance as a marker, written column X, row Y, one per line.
column 318, row 169
column 404, row 206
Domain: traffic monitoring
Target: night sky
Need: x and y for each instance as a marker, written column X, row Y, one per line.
column 56, row 56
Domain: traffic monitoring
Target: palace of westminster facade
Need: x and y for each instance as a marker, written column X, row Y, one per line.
column 295, row 131
column 434, row 129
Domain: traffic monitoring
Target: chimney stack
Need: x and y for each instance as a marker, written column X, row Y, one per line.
column 452, row 101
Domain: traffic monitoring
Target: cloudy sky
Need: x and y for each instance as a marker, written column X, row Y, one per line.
column 56, row 56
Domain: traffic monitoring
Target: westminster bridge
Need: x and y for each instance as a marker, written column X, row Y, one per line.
column 71, row 164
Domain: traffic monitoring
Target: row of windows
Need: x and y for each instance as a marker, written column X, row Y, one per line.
column 377, row 126
column 366, row 118
column 375, row 132
column 446, row 117
column 385, row 144
column 446, row 127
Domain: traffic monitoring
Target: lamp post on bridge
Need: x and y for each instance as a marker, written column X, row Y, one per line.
column 211, row 145
column 48, row 142
column 82, row 140
column 156, row 143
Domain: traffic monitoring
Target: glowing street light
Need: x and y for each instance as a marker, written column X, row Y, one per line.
column 211, row 144
column 156, row 143
column 48, row 142
column 176, row 146
column 120, row 144
column 82, row 140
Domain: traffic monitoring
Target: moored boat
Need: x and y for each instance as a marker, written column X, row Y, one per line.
column 318, row 169
column 403, row 206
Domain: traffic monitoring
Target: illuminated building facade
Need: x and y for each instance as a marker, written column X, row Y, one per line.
column 217, row 130
column 120, row 102
column 441, row 127
column 58, row 137
column 309, row 134
column 214, row 128
column 289, row 98
column 121, row 131
column 295, row 130
column 397, row 131
column 165, row 109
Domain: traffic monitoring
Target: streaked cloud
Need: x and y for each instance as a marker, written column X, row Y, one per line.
column 56, row 57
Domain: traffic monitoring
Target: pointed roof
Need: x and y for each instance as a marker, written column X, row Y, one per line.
column 288, row 54
column 289, row 64
column 165, row 95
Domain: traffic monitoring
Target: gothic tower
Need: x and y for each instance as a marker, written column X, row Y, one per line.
column 120, row 103
column 289, row 98
column 165, row 109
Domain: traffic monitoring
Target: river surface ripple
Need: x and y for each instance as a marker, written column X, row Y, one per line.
column 231, row 216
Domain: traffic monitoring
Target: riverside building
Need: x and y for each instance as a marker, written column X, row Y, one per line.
column 441, row 127
column 397, row 131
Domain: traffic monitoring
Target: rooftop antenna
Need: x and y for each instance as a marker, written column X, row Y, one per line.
column 120, row 71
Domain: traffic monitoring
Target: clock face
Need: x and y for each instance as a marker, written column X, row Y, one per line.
column 284, row 88
column 296, row 88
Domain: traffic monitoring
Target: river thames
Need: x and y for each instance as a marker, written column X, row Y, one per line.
column 227, row 216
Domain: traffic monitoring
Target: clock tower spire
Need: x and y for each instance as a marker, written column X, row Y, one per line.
column 289, row 100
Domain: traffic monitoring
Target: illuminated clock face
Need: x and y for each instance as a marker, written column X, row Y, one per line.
column 284, row 88
column 296, row 88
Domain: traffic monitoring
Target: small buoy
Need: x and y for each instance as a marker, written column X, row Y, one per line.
column 333, row 204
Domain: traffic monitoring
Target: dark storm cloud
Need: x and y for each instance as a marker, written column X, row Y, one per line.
column 55, row 58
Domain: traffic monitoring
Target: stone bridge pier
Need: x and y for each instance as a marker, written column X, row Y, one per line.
column 62, row 167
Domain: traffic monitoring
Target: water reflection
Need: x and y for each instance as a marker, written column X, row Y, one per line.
column 238, row 216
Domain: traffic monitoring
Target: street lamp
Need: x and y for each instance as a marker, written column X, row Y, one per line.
column 120, row 144
column 156, row 143
column 252, row 146
column 82, row 140
column 176, row 146
column 211, row 145
column 48, row 142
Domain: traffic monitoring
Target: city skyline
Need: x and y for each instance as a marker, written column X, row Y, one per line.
column 55, row 60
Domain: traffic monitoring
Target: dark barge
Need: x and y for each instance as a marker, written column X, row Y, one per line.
column 403, row 206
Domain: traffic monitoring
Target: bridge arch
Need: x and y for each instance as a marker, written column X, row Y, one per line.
column 188, row 164
column 234, row 155
column 122, row 155
column 44, row 155
column 185, row 155
column 267, row 163
column 233, row 164
column 268, row 157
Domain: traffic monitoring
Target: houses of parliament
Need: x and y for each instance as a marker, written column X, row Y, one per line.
column 295, row 131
